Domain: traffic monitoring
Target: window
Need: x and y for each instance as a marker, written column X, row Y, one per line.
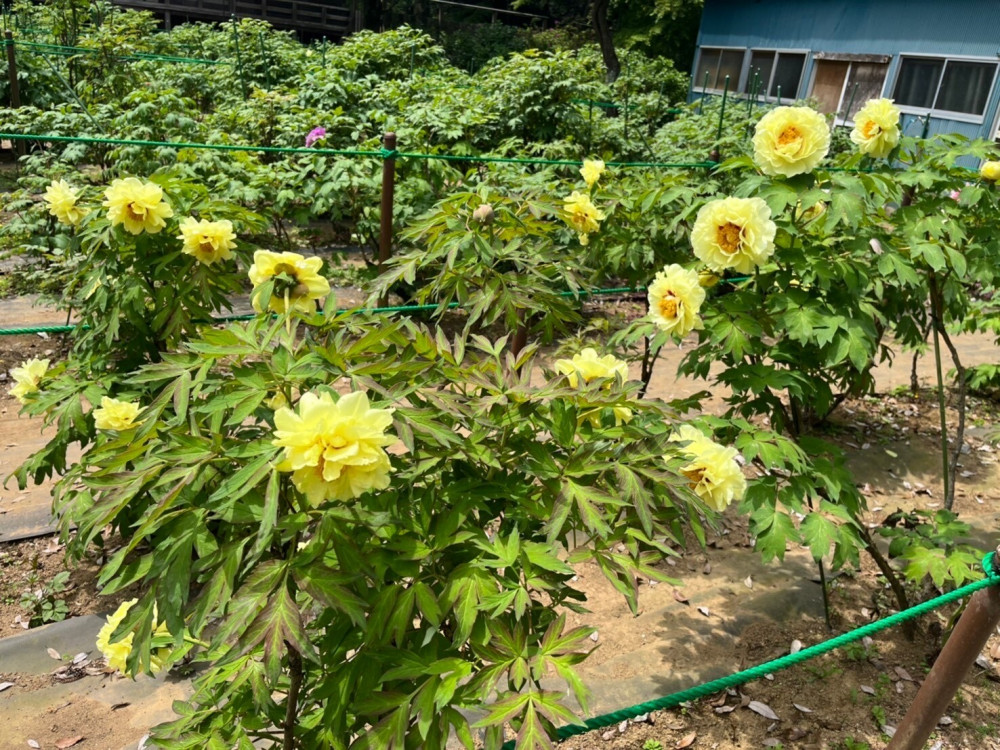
column 842, row 86
column 945, row 85
column 772, row 73
column 714, row 64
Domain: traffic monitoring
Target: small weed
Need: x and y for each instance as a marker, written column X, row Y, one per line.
column 850, row 743
column 822, row 672
column 652, row 745
column 41, row 602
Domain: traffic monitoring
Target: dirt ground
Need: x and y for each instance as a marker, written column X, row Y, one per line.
column 728, row 611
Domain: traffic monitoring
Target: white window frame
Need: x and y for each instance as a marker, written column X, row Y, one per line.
column 946, row 114
column 779, row 51
column 734, row 88
column 837, row 118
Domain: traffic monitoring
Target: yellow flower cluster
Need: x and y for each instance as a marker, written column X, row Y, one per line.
column 733, row 233
column 675, row 297
column 304, row 284
column 116, row 415
column 117, row 653
column 208, row 241
column 587, row 366
column 712, row 469
column 137, row 205
column 591, row 171
column 876, row 128
column 582, row 215
column 790, row 141
column 334, row 449
column 27, row 378
column 990, row 170
column 62, row 199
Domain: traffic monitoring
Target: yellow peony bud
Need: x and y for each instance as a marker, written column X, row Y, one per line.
column 116, row 654
column 116, row 415
column 990, row 170
column 27, row 378
column 582, row 215
column 483, row 214
column 591, row 171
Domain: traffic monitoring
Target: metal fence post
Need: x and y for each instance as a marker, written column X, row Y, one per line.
column 958, row 655
column 388, row 191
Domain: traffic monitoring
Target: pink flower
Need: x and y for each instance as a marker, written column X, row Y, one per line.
column 314, row 135
column 955, row 195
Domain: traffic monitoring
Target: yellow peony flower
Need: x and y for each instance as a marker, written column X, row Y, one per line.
column 27, row 378
column 305, row 285
column 790, row 141
column 116, row 415
column 588, row 366
column 62, row 199
column 675, row 297
column 117, row 653
column 990, row 170
column 137, row 205
column 733, row 233
column 208, row 241
column 591, row 171
column 714, row 474
column 876, row 128
column 582, row 215
column 334, row 449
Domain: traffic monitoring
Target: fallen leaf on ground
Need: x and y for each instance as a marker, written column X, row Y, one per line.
column 5, row 685
column 34, row 744
column 802, row 708
column 54, row 654
column 678, row 596
column 763, row 709
column 686, row 741
column 68, row 742
column 748, row 582
column 705, row 611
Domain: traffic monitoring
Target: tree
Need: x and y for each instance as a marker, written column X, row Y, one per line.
column 599, row 19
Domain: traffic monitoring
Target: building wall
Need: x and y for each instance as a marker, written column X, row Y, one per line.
column 969, row 28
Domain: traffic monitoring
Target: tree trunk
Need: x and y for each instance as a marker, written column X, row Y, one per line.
column 599, row 17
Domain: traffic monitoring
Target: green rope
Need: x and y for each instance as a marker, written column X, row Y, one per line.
column 381, row 153
column 179, row 144
column 784, row 662
column 27, row 330
column 61, row 49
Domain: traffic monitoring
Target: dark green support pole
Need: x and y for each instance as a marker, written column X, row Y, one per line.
column 239, row 57
column 412, row 47
column 722, row 110
column 267, row 63
column 590, row 126
column 15, row 90
column 927, row 126
column 626, row 98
